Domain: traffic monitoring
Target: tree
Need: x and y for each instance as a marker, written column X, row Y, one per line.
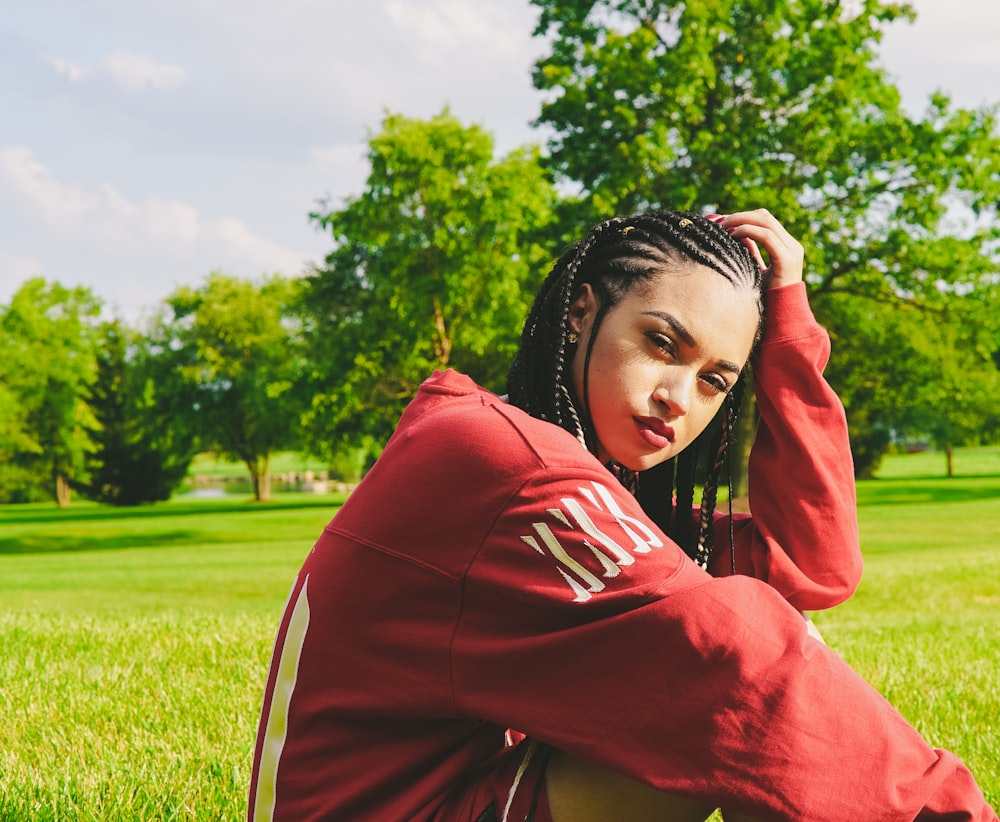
column 958, row 403
column 238, row 344
column 433, row 266
column 49, row 340
column 745, row 103
column 15, row 441
column 143, row 440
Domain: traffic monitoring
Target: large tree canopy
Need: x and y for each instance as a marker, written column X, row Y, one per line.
column 782, row 104
column 433, row 266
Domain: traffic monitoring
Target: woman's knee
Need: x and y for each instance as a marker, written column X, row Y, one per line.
column 580, row 791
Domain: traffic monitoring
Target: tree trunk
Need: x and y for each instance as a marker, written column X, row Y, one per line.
column 949, row 455
column 260, row 477
column 60, row 488
column 442, row 342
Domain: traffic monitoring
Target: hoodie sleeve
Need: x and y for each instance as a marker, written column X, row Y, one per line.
column 801, row 536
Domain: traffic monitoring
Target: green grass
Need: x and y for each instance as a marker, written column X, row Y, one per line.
column 134, row 643
column 924, row 626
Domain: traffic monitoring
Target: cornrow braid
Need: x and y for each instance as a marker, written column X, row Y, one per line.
column 613, row 258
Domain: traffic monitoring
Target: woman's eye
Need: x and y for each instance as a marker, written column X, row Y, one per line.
column 717, row 383
column 663, row 342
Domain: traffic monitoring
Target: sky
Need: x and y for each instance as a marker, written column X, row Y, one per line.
column 144, row 145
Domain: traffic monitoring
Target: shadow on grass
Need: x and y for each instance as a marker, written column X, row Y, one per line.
column 45, row 529
column 931, row 491
column 937, row 476
column 15, row 546
column 32, row 514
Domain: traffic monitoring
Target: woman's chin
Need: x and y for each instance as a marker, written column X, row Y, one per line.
column 646, row 461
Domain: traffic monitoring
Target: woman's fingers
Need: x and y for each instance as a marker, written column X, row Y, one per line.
column 761, row 228
column 755, row 251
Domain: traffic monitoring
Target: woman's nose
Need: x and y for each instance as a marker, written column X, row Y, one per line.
column 675, row 391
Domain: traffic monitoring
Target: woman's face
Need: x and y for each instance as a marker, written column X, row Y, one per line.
column 663, row 361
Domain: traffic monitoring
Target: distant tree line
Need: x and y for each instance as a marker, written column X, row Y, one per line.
column 725, row 106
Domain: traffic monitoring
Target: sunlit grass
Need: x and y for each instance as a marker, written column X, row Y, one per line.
column 134, row 645
column 144, row 718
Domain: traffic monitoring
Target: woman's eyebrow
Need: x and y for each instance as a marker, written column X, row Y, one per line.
column 674, row 323
column 685, row 335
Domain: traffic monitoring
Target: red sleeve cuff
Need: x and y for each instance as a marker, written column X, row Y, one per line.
column 787, row 315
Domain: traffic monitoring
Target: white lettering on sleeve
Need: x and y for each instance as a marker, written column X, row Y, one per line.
column 582, row 581
column 592, row 583
column 583, row 519
column 643, row 544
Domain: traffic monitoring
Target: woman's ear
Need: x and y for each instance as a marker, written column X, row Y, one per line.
column 582, row 309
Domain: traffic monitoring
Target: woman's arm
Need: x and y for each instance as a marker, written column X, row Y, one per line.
column 802, row 534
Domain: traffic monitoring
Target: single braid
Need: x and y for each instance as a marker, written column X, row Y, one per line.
column 719, row 449
column 683, row 529
column 732, row 524
column 613, row 258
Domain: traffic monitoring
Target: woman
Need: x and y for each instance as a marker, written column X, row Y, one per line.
column 523, row 565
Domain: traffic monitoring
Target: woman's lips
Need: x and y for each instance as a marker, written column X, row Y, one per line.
column 656, row 432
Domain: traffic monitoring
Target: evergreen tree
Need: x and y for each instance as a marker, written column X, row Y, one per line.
column 142, row 448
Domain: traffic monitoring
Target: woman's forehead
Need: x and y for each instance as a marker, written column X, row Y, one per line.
column 708, row 305
column 691, row 278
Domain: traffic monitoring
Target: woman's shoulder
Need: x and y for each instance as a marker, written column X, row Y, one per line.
column 453, row 416
column 460, row 458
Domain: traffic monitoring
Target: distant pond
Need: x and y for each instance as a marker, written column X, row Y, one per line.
column 304, row 482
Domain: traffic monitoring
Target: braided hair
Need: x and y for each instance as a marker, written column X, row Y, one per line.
column 614, row 257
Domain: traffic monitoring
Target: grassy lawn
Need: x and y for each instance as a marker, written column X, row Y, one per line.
column 924, row 626
column 134, row 643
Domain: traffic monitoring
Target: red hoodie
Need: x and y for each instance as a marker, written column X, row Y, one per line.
column 490, row 573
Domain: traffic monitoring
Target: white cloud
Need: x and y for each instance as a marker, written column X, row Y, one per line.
column 132, row 72
column 446, row 30
column 39, row 189
column 101, row 214
column 101, row 218
column 951, row 47
column 242, row 243
column 136, row 72
column 444, row 23
column 171, row 222
column 68, row 69
column 337, row 157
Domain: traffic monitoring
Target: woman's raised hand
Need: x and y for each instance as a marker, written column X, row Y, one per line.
column 760, row 228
